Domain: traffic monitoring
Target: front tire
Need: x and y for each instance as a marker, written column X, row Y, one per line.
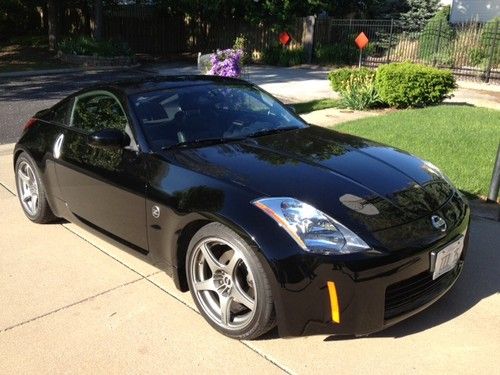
column 228, row 283
column 31, row 191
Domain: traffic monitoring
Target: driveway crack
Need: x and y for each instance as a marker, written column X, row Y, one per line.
column 71, row 305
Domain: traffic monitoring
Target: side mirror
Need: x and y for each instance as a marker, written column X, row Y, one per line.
column 291, row 107
column 108, row 138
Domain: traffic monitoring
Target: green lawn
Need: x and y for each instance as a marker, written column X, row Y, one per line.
column 461, row 140
column 316, row 105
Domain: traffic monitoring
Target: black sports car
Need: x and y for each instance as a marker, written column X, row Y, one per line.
column 265, row 219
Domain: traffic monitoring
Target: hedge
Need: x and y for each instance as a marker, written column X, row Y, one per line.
column 406, row 84
column 339, row 77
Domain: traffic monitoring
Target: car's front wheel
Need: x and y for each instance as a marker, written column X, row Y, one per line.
column 228, row 283
column 31, row 191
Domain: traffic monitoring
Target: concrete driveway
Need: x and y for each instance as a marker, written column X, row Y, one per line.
column 73, row 302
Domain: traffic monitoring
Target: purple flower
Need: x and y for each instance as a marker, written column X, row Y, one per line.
column 226, row 63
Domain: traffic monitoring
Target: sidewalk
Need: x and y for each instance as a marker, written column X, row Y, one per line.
column 302, row 84
column 76, row 302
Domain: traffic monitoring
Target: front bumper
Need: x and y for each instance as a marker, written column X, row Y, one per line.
column 373, row 293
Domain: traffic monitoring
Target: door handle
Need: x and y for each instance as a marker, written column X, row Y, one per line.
column 58, row 146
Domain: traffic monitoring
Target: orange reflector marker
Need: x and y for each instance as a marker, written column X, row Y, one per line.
column 334, row 302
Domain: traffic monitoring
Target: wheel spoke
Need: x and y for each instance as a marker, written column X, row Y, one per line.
column 26, row 197
column 225, row 309
column 31, row 176
column 34, row 201
column 213, row 263
column 229, row 268
column 205, row 284
column 241, row 297
column 23, row 175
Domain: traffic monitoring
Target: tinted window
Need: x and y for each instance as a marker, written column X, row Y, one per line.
column 60, row 114
column 97, row 112
column 210, row 111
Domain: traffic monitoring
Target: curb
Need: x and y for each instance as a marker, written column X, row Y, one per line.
column 485, row 210
column 35, row 73
column 6, row 149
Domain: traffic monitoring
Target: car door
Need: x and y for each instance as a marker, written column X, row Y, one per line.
column 103, row 187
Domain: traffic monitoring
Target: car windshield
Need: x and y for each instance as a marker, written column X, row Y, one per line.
column 210, row 113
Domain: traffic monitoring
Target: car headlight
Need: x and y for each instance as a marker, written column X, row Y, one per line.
column 312, row 229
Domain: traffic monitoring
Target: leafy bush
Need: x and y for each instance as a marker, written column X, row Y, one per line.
column 406, row 84
column 240, row 43
column 339, row 77
column 437, row 33
column 480, row 56
column 89, row 47
column 359, row 92
column 340, row 53
column 278, row 55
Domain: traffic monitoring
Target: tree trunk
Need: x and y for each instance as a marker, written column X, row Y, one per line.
column 53, row 23
column 98, row 19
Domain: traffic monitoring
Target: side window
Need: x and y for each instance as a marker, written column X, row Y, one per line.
column 97, row 112
column 60, row 114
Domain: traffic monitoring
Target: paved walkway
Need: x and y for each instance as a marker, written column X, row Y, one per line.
column 301, row 84
column 73, row 302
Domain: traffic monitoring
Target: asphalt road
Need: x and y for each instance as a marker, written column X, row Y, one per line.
column 21, row 97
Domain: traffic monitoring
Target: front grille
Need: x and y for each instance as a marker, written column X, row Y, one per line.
column 407, row 295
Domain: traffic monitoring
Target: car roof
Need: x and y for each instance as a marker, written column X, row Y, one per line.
column 154, row 83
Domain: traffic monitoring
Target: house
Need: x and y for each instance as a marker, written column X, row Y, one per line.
column 463, row 11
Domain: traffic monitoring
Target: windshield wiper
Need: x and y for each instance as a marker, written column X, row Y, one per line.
column 202, row 142
column 272, row 131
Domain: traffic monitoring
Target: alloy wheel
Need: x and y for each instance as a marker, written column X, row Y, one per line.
column 28, row 188
column 223, row 283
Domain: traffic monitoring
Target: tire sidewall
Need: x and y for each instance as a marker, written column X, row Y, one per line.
column 249, row 257
column 41, row 191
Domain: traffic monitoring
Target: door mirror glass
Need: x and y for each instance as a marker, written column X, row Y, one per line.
column 108, row 138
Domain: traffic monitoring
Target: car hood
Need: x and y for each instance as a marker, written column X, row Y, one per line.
column 356, row 181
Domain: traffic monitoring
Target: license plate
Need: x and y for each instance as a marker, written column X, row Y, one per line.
column 446, row 259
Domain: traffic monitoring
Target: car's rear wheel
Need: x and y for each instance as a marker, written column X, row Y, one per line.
column 228, row 283
column 31, row 191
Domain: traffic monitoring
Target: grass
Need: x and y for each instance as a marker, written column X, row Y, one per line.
column 316, row 105
column 461, row 140
column 27, row 53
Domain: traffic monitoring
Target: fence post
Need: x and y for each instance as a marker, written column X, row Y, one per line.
column 308, row 36
column 436, row 49
column 492, row 53
column 390, row 42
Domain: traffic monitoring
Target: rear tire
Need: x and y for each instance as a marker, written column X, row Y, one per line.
column 228, row 283
column 31, row 191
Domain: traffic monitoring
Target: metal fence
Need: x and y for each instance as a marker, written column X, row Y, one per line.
column 470, row 50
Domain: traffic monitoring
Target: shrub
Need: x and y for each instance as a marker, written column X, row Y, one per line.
column 339, row 77
column 437, row 33
column 278, row 55
column 90, row 47
column 240, row 43
column 406, row 84
column 359, row 92
column 338, row 53
column 480, row 56
column 341, row 53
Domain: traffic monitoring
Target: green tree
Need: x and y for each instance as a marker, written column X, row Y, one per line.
column 436, row 40
column 419, row 13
